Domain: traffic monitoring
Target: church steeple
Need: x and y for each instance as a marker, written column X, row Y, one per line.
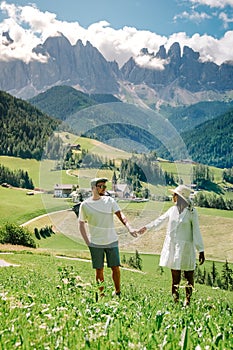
column 114, row 182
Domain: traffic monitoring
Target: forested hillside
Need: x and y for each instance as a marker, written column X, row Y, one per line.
column 63, row 101
column 188, row 117
column 212, row 142
column 24, row 128
column 120, row 132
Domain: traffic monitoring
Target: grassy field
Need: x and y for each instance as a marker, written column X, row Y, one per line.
column 42, row 173
column 17, row 207
column 49, row 303
column 216, row 230
column 184, row 170
column 216, row 225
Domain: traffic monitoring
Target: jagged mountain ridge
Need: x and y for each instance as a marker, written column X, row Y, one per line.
column 75, row 65
column 184, row 77
column 184, row 70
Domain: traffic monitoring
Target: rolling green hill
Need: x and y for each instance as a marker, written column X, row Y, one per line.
column 63, row 101
column 209, row 143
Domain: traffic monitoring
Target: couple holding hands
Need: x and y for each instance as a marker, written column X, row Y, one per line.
column 183, row 236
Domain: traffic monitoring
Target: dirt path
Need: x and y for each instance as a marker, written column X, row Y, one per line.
column 4, row 263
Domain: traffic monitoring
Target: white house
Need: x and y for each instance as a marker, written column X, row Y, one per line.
column 121, row 191
column 63, row 191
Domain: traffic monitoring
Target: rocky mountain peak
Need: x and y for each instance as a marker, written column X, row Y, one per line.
column 174, row 52
column 161, row 53
column 190, row 54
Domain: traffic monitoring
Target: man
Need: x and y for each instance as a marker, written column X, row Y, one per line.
column 98, row 212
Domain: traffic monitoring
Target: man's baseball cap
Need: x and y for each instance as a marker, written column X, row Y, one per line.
column 96, row 180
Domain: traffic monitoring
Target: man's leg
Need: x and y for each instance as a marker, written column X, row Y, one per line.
column 189, row 275
column 176, row 277
column 116, row 276
column 100, row 278
column 113, row 261
column 97, row 257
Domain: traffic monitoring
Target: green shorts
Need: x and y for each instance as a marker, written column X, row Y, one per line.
column 98, row 252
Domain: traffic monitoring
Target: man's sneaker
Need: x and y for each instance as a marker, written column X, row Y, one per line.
column 186, row 302
column 116, row 294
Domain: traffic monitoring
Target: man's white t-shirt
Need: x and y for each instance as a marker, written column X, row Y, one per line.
column 99, row 214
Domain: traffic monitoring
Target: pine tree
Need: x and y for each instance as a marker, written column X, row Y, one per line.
column 227, row 277
column 214, row 273
column 138, row 260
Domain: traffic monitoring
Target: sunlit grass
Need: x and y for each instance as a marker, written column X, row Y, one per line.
column 50, row 303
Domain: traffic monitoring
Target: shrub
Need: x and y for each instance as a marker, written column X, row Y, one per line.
column 133, row 261
column 36, row 232
column 16, row 235
column 43, row 232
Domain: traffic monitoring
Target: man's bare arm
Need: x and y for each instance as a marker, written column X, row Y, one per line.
column 83, row 232
column 124, row 221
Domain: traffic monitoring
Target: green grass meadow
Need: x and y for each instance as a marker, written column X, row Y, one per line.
column 50, row 303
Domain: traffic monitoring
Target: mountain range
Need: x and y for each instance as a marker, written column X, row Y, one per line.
column 154, row 108
column 184, row 79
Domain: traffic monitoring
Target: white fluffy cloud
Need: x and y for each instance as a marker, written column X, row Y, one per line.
column 28, row 27
column 213, row 3
column 192, row 16
column 226, row 20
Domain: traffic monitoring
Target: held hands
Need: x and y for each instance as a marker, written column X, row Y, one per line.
column 142, row 230
column 132, row 231
column 201, row 258
column 135, row 232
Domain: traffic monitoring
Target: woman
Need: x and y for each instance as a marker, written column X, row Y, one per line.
column 182, row 237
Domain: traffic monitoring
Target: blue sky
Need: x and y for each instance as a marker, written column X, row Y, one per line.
column 161, row 16
column 119, row 29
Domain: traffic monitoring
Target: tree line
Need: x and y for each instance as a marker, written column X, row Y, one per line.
column 211, row 200
column 83, row 159
column 16, row 178
column 145, row 168
column 222, row 280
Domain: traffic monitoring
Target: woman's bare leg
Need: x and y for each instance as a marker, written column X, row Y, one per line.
column 176, row 277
